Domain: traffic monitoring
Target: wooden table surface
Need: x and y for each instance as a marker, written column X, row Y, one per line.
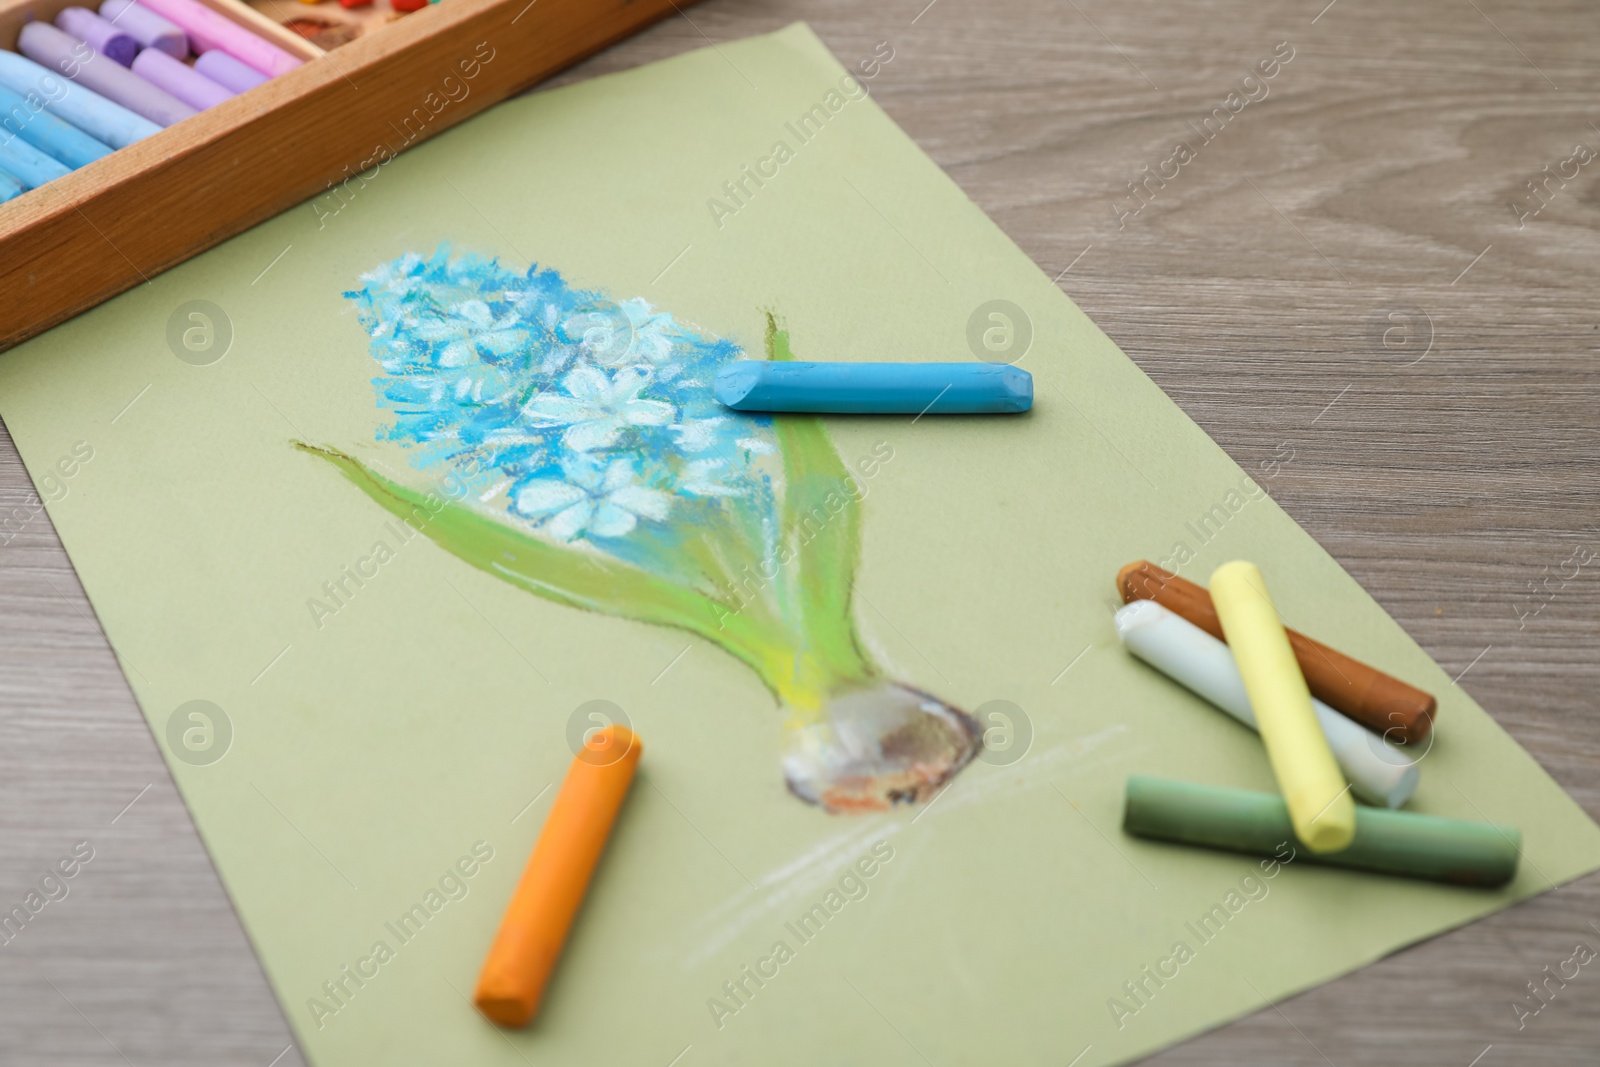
column 1355, row 269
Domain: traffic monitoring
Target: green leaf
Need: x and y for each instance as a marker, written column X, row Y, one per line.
column 821, row 524
column 574, row 578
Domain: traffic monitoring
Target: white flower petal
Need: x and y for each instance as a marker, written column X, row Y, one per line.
column 619, row 474
column 501, row 342
column 595, row 433
column 458, row 353
column 697, row 435
column 545, row 495
column 650, row 503
column 432, row 329
column 550, row 410
column 648, row 412
column 698, row 479
column 558, row 356
column 627, row 383
column 571, row 522
column 612, row 521
column 584, row 470
column 587, row 383
column 476, row 312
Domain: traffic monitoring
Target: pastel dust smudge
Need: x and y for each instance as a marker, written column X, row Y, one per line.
column 589, row 464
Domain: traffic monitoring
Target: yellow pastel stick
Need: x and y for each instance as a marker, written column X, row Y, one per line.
column 1318, row 798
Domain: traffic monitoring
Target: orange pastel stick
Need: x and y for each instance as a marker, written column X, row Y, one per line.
column 548, row 896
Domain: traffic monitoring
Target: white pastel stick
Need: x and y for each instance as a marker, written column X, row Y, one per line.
column 1379, row 773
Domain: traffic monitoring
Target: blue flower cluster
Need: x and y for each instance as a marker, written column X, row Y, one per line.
column 583, row 418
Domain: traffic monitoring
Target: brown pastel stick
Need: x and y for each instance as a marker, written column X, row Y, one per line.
column 1383, row 704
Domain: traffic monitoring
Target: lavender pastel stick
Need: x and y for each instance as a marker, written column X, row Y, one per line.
column 179, row 79
column 94, row 31
column 27, row 118
column 210, row 29
column 109, row 123
column 146, row 27
column 228, row 72
column 49, row 47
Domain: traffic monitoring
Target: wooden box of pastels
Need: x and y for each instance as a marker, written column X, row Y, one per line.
column 137, row 133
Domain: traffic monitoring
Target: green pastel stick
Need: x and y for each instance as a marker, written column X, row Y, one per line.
column 1389, row 842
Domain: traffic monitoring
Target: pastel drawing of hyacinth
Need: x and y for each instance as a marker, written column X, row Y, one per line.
column 593, row 467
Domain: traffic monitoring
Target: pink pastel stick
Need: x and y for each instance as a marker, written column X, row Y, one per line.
column 207, row 30
column 179, row 79
column 52, row 49
column 223, row 69
column 97, row 33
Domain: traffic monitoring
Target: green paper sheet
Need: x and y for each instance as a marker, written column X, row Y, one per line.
column 372, row 756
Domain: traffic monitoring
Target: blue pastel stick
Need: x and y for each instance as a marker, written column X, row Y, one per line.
column 967, row 388
column 56, row 139
column 27, row 164
column 10, row 188
column 90, row 112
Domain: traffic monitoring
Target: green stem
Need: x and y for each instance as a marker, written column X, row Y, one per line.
column 821, row 524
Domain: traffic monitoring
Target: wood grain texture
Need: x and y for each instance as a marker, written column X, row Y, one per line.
column 15, row 14
column 104, row 228
column 1447, row 469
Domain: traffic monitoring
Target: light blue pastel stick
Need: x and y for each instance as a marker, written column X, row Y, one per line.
column 90, row 112
column 28, row 165
column 10, row 188
column 965, row 388
column 56, row 139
